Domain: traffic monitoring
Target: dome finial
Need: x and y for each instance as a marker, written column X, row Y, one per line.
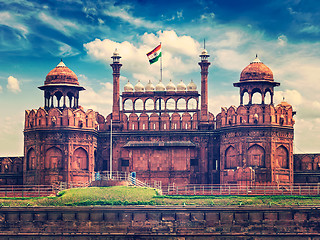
column 256, row 60
column 61, row 64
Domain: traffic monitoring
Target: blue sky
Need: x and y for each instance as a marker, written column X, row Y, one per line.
column 35, row 35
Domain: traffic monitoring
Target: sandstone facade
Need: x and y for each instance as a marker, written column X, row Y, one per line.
column 163, row 133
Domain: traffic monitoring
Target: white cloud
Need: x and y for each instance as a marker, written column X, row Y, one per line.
column 291, row 96
column 207, row 16
column 310, row 29
column 100, row 101
column 177, row 50
column 12, row 21
column 64, row 26
column 180, row 14
column 229, row 39
column 230, row 59
column 13, row 85
column 122, row 13
column 218, row 101
column 282, row 40
column 11, row 134
column 0, row 89
column 66, row 50
column 100, row 21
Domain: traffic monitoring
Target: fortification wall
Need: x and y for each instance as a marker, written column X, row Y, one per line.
column 155, row 222
column 54, row 117
column 256, row 114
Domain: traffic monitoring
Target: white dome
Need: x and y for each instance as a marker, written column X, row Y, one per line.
column 128, row 87
column 160, row 87
column 139, row 87
column 170, row 86
column 181, row 86
column 149, row 87
column 192, row 86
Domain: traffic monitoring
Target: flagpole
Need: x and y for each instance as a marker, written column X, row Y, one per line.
column 161, row 65
column 111, row 149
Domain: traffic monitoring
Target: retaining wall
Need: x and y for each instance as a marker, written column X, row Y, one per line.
column 153, row 222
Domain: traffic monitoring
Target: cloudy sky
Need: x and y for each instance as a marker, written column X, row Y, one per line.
column 35, row 35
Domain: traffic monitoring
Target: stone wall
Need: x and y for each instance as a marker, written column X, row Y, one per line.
column 153, row 222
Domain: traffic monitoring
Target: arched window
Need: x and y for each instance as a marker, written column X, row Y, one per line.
column 69, row 99
column 31, row 159
column 231, row 160
column 80, row 159
column 58, row 96
column 47, row 99
column 256, row 98
column 256, row 156
column 128, row 105
column 160, row 105
column 192, row 103
column 181, row 104
column 267, row 97
column 138, row 105
column 149, row 104
column 245, row 98
column 306, row 164
column 6, row 166
column 282, row 157
column 171, row 104
column 53, row 158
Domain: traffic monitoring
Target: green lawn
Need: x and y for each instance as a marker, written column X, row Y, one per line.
column 121, row 195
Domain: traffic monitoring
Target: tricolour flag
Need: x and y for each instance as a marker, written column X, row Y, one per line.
column 154, row 55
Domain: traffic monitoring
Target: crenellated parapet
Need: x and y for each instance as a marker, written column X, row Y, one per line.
column 156, row 122
column 55, row 118
column 256, row 114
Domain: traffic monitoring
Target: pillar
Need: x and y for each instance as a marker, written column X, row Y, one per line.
column 116, row 65
column 204, row 65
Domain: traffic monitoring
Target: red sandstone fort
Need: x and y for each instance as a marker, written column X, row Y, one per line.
column 163, row 133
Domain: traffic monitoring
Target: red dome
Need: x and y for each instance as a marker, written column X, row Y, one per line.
column 256, row 71
column 61, row 74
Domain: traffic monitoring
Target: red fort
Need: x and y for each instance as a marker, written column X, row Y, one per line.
column 163, row 133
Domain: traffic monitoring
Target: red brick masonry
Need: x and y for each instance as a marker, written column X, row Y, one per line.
column 154, row 222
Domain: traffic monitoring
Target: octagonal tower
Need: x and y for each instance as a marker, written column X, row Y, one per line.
column 59, row 138
column 256, row 141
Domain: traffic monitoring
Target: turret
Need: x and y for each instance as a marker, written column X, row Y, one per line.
column 61, row 88
column 116, row 65
column 256, row 78
column 204, row 65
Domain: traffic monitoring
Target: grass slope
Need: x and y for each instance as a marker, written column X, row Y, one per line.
column 121, row 195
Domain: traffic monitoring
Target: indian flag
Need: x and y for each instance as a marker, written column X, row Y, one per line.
column 155, row 54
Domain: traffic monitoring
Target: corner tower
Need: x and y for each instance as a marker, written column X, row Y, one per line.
column 256, row 141
column 59, row 138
